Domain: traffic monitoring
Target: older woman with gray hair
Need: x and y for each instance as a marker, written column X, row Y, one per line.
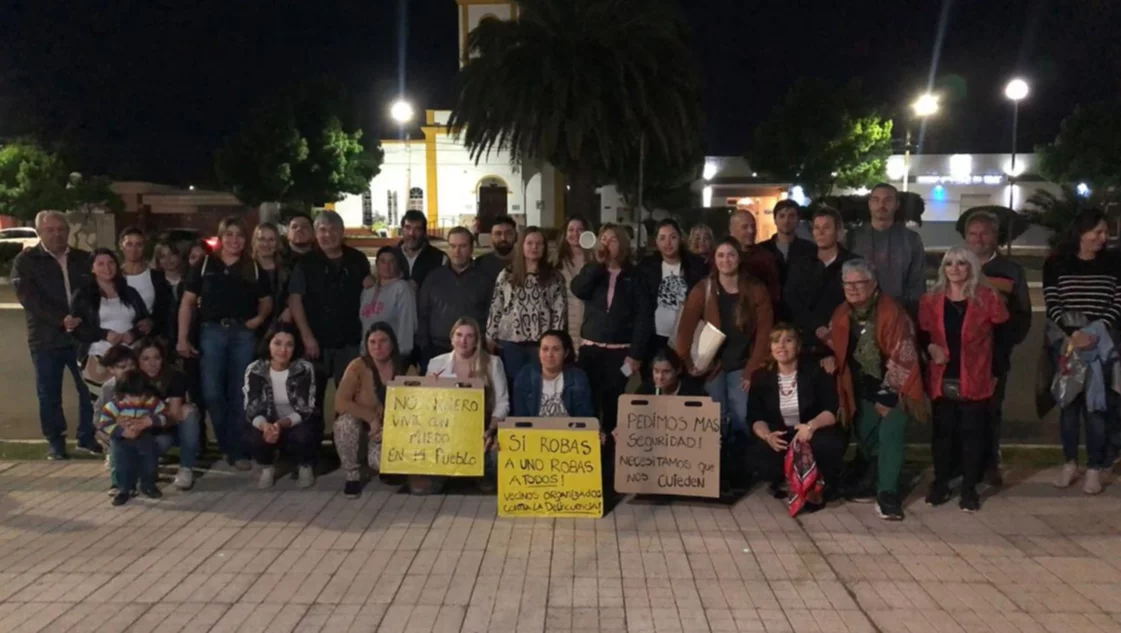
column 956, row 324
column 879, row 382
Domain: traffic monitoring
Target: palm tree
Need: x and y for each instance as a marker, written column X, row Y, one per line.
column 579, row 84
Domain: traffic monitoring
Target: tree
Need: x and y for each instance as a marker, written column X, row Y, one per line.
column 33, row 179
column 1012, row 224
column 295, row 150
column 579, row 84
column 821, row 136
column 1057, row 212
column 1087, row 149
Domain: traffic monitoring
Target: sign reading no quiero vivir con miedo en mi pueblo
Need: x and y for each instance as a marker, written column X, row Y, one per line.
column 433, row 426
column 668, row 445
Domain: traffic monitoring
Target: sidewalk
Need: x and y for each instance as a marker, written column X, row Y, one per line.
column 227, row 557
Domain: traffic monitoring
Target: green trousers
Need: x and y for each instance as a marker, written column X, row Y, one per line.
column 882, row 439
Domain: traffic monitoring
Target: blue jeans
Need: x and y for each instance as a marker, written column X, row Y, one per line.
column 185, row 435
column 226, row 353
column 726, row 390
column 1070, row 426
column 134, row 460
column 49, row 365
column 514, row 357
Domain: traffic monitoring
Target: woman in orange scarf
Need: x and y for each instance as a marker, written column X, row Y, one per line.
column 878, row 380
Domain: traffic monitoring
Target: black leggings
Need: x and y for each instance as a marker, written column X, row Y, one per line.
column 968, row 422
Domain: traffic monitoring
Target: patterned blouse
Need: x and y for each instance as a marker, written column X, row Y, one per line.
column 522, row 314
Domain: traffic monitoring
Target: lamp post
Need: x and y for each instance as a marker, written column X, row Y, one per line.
column 926, row 105
column 1016, row 90
column 402, row 112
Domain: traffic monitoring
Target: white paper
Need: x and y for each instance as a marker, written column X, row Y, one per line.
column 707, row 340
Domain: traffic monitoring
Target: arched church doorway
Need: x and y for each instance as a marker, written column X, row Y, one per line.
column 492, row 195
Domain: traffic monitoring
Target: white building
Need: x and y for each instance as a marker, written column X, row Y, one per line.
column 436, row 175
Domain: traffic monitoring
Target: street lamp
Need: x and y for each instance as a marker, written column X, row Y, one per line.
column 1016, row 90
column 926, row 105
column 402, row 112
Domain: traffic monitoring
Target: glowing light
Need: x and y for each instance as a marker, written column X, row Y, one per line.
column 863, row 191
column 961, row 166
column 706, row 197
column 895, row 168
column 797, row 194
column 1083, row 190
column 926, row 105
column 401, row 111
column 938, row 193
column 1007, row 168
column 754, row 174
column 1016, row 89
column 710, row 170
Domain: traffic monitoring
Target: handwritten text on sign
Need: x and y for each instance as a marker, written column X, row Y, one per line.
column 549, row 472
column 433, row 431
column 668, row 445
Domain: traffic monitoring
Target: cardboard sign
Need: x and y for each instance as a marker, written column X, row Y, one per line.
column 433, row 426
column 549, row 467
column 668, row 445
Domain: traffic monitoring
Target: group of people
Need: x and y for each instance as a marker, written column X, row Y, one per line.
column 825, row 341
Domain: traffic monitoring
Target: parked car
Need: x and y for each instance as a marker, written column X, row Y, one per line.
column 25, row 236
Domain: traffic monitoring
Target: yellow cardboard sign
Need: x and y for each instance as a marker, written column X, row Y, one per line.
column 433, row 427
column 549, row 467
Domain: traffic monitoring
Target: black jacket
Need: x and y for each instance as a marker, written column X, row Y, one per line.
column 630, row 319
column 445, row 297
column 692, row 268
column 813, row 291
column 41, row 291
column 817, row 392
column 492, row 265
column 429, row 259
column 161, row 307
column 331, row 296
column 800, row 249
column 87, row 307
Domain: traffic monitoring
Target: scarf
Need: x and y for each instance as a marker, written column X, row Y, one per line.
column 802, row 476
column 895, row 340
column 866, row 354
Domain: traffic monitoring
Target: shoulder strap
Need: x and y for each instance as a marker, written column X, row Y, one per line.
column 205, row 261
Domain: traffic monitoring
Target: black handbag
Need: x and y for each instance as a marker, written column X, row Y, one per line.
column 951, row 389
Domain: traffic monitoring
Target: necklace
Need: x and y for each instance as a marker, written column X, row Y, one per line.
column 787, row 391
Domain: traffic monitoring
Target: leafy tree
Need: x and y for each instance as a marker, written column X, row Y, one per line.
column 1057, row 212
column 1012, row 224
column 1087, row 149
column 295, row 150
column 33, row 179
column 579, row 84
column 821, row 136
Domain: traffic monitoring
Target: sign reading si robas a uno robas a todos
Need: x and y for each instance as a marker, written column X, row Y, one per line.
column 549, row 467
column 433, row 426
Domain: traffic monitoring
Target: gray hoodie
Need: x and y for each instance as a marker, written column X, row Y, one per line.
column 394, row 303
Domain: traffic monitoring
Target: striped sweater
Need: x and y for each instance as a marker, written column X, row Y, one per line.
column 1091, row 287
column 130, row 407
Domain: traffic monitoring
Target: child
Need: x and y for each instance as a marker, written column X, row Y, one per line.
column 119, row 360
column 127, row 419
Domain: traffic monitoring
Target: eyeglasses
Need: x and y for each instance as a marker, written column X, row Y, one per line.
column 856, row 284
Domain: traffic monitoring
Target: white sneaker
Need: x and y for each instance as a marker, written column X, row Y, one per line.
column 268, row 477
column 1092, row 485
column 1067, row 475
column 184, row 479
column 307, row 477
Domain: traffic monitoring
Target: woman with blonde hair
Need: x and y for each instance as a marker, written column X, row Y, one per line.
column 956, row 324
column 528, row 300
column 266, row 252
column 571, row 258
column 470, row 359
column 701, row 242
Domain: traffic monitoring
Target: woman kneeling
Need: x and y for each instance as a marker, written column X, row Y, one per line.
column 795, row 411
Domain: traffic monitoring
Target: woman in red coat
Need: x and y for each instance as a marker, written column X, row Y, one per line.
column 956, row 320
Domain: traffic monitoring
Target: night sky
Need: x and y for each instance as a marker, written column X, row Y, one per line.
column 148, row 89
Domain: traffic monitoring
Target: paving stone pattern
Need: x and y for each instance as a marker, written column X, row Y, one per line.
column 228, row 557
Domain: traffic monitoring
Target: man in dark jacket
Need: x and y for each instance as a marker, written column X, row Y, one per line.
column 45, row 278
column 785, row 244
column 503, row 236
column 982, row 236
column 460, row 289
column 416, row 256
column 814, row 290
column 325, row 291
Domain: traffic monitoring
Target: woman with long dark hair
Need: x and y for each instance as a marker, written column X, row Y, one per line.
column 554, row 387
column 670, row 273
column 391, row 299
column 183, row 421
column 111, row 312
column 267, row 255
column 1082, row 292
column 232, row 298
column 528, row 300
column 360, row 403
column 571, row 258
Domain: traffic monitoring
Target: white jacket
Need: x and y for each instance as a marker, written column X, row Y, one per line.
column 443, row 367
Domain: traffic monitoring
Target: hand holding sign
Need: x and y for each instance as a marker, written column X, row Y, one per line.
column 433, row 427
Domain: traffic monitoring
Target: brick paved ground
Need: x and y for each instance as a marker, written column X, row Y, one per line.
column 227, row 557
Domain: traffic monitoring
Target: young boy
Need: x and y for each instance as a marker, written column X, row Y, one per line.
column 127, row 419
column 119, row 360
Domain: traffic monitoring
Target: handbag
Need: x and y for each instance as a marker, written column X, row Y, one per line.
column 951, row 389
column 94, row 372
